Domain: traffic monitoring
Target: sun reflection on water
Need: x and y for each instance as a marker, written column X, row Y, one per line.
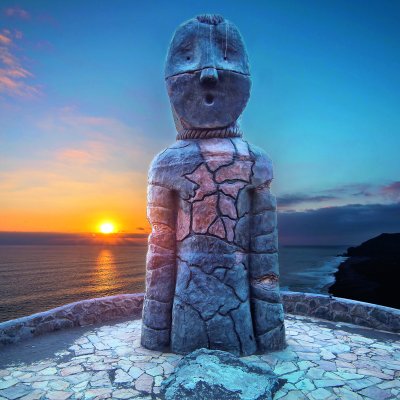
column 105, row 274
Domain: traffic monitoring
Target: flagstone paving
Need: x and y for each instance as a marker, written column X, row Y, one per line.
column 323, row 360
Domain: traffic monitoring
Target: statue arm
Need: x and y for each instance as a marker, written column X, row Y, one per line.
column 160, row 268
column 265, row 298
column 263, row 235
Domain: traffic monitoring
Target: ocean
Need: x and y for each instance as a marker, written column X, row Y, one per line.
column 38, row 278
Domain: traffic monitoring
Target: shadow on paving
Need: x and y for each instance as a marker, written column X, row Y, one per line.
column 46, row 346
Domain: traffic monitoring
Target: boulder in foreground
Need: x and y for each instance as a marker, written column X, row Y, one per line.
column 213, row 374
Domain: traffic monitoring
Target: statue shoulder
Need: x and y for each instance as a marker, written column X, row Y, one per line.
column 175, row 153
column 263, row 169
column 177, row 160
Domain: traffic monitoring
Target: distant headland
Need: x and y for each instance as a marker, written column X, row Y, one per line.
column 369, row 274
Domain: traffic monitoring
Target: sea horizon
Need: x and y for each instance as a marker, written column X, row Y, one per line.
column 41, row 277
column 28, row 238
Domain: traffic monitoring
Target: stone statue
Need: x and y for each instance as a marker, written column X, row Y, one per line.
column 212, row 262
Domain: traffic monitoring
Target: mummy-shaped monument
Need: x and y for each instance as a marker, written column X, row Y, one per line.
column 212, row 272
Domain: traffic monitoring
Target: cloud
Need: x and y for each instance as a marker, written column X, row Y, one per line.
column 87, row 168
column 14, row 78
column 349, row 224
column 392, row 191
column 341, row 195
column 88, row 153
column 59, row 197
column 17, row 12
column 97, row 139
column 353, row 190
column 295, row 199
column 4, row 39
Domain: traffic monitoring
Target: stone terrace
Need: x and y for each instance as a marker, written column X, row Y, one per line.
column 323, row 360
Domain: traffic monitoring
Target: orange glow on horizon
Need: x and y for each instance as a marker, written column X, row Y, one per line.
column 82, row 221
column 72, row 198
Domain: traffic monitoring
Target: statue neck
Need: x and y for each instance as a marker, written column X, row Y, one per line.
column 195, row 133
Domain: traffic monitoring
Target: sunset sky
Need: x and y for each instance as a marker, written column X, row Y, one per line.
column 83, row 110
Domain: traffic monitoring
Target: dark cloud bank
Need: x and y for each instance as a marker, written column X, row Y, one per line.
column 344, row 225
column 347, row 225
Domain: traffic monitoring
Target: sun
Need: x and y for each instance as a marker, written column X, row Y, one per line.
column 107, row 227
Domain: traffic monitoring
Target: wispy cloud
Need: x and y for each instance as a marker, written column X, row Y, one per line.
column 372, row 192
column 92, row 168
column 97, row 139
column 391, row 191
column 51, row 196
column 341, row 195
column 89, row 152
column 14, row 78
column 296, row 199
column 352, row 189
column 4, row 39
column 17, row 12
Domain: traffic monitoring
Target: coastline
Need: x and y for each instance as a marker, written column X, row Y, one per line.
column 369, row 272
column 367, row 279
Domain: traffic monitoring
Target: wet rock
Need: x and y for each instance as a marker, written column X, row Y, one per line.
column 214, row 374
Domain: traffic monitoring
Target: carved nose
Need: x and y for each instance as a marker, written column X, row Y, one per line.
column 209, row 75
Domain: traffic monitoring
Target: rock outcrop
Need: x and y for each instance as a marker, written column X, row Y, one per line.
column 369, row 272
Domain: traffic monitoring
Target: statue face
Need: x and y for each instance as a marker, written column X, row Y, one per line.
column 207, row 75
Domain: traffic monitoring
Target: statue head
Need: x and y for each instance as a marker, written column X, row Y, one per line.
column 208, row 77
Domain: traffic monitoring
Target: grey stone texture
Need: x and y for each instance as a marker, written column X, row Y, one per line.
column 342, row 310
column 207, row 74
column 323, row 360
column 80, row 313
column 210, row 208
column 218, row 375
column 205, row 238
column 88, row 312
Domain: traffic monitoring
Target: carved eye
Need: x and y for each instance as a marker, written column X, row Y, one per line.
column 188, row 58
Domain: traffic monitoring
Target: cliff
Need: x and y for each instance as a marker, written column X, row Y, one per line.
column 370, row 273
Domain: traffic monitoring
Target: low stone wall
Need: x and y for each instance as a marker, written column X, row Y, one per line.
column 87, row 312
column 342, row 310
column 80, row 313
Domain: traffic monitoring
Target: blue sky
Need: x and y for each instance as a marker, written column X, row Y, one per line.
column 83, row 107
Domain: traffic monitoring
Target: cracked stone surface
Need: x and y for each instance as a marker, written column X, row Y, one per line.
column 213, row 226
column 323, row 360
column 210, row 207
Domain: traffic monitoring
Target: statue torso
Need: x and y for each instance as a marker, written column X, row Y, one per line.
column 213, row 180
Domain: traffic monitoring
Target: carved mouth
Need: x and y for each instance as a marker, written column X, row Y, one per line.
column 209, row 99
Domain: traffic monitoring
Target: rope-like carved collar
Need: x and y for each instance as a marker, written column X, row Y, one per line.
column 227, row 132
